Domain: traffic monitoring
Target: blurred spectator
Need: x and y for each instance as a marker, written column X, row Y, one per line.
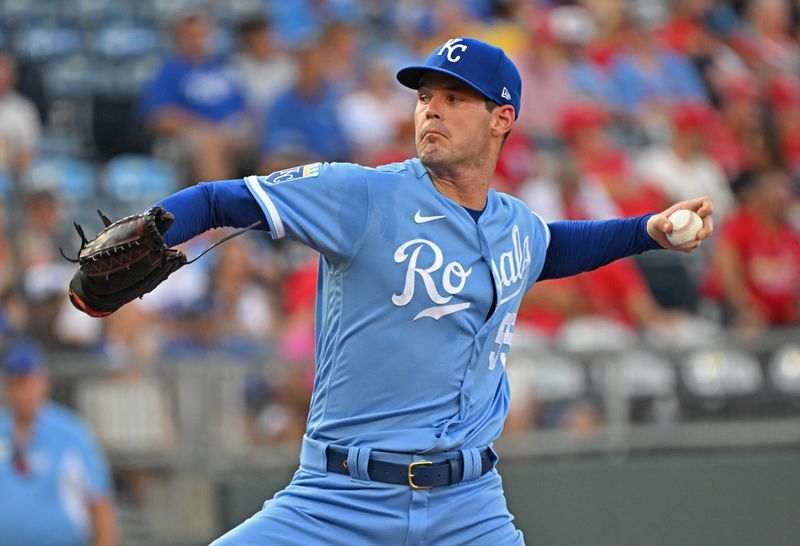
column 372, row 115
column 785, row 102
column 548, row 84
column 131, row 339
column 574, row 28
column 584, row 127
column 697, row 29
column 682, row 169
column 651, row 77
column 741, row 139
column 340, row 46
column 57, row 489
column 770, row 29
column 563, row 192
column 264, row 69
column 756, row 260
column 616, row 292
column 41, row 234
column 515, row 165
column 243, row 302
column 304, row 120
column 610, row 17
column 196, row 101
column 19, row 122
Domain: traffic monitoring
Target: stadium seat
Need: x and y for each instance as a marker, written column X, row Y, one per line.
column 234, row 11
column 18, row 12
column 719, row 373
column 72, row 178
column 132, row 74
column 43, row 42
column 164, row 12
column 95, row 13
column 646, row 374
column 721, row 382
column 557, row 378
column 136, row 181
column 125, row 39
column 74, row 78
column 591, row 335
column 547, row 377
column 784, row 370
column 644, row 380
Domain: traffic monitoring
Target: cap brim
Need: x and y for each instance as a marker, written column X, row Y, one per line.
column 411, row 75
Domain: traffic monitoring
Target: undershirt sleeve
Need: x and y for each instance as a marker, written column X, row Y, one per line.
column 583, row 245
column 209, row 205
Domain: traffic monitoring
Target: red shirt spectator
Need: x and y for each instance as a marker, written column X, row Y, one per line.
column 617, row 291
column 756, row 265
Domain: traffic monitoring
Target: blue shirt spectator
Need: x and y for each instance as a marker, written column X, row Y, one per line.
column 197, row 106
column 56, row 487
column 669, row 79
column 305, row 118
column 207, row 88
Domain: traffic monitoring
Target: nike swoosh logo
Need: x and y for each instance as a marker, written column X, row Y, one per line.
column 420, row 219
column 442, row 310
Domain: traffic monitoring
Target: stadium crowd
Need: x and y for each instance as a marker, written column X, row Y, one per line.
column 627, row 106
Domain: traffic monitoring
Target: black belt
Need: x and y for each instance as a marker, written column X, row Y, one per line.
column 417, row 475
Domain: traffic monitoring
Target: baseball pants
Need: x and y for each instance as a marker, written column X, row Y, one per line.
column 322, row 508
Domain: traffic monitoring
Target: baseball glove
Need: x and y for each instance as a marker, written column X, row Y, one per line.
column 124, row 261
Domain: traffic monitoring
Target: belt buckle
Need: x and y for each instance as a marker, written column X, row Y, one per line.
column 411, row 475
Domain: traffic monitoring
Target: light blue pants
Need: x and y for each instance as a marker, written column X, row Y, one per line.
column 321, row 508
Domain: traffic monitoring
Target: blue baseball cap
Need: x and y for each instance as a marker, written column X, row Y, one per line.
column 478, row 64
column 23, row 358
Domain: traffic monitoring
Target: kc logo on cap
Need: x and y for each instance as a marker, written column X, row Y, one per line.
column 482, row 66
column 451, row 46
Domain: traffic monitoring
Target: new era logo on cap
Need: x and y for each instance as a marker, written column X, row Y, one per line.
column 476, row 63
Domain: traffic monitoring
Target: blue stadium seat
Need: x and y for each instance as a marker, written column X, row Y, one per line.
column 122, row 40
column 137, row 180
column 234, row 11
column 164, row 12
column 46, row 42
column 74, row 77
column 73, row 179
column 131, row 75
column 95, row 13
column 17, row 12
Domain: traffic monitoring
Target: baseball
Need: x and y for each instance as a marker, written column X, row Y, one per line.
column 685, row 225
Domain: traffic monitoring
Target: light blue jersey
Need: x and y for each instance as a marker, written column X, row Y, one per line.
column 409, row 358
column 49, row 507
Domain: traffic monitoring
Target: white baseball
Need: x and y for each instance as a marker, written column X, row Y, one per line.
column 685, row 225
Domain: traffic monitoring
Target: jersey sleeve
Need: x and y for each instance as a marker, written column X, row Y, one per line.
column 541, row 241
column 322, row 205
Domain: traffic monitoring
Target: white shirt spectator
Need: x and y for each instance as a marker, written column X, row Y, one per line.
column 682, row 179
column 20, row 129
